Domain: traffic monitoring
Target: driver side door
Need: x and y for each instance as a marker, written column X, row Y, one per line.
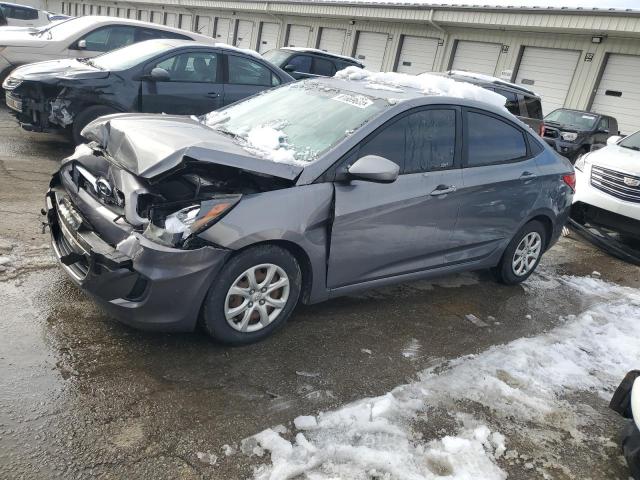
column 194, row 86
column 386, row 230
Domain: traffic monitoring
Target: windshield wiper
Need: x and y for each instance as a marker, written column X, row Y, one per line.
column 226, row 132
column 637, row 149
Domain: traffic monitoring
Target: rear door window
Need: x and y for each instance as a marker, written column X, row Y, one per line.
column 301, row 63
column 323, row 67
column 490, row 140
column 244, row 71
column 512, row 103
column 193, row 67
column 533, row 106
column 143, row 34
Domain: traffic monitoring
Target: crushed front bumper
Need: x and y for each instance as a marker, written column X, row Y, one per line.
column 143, row 284
column 626, row 402
column 566, row 149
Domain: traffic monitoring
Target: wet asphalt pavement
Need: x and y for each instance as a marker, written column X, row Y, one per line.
column 82, row 396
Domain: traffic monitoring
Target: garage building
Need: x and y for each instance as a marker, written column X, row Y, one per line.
column 575, row 58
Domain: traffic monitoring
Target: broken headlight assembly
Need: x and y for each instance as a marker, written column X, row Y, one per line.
column 568, row 136
column 173, row 225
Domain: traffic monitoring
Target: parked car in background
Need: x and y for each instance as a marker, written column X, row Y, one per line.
column 309, row 62
column 156, row 76
column 308, row 191
column 626, row 402
column 80, row 37
column 23, row 16
column 574, row 132
column 521, row 101
column 608, row 186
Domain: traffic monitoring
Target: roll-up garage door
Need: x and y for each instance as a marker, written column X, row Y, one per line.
column 548, row 72
column 223, row 29
column 618, row 94
column 417, row 54
column 203, row 25
column 370, row 49
column 476, row 57
column 243, row 33
column 332, row 40
column 268, row 36
column 298, row 36
column 171, row 19
column 157, row 17
column 143, row 15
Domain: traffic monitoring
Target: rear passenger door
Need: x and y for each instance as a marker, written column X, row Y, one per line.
column 194, row 86
column 384, row 230
column 500, row 185
column 246, row 77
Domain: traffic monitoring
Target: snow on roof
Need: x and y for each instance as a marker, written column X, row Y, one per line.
column 488, row 78
column 426, row 83
column 315, row 50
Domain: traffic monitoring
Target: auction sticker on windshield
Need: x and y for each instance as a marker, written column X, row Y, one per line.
column 359, row 101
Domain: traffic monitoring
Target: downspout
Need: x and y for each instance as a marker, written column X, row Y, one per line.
column 432, row 23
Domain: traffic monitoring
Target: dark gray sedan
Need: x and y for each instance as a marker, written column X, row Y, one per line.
column 156, row 76
column 303, row 193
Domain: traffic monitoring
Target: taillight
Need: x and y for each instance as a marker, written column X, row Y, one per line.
column 541, row 130
column 570, row 180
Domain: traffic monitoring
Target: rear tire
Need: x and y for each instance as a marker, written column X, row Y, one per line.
column 522, row 255
column 253, row 296
column 85, row 117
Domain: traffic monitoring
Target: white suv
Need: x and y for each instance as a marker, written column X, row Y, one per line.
column 23, row 16
column 80, row 37
column 608, row 186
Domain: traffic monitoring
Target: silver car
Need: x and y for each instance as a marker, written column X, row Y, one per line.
column 306, row 192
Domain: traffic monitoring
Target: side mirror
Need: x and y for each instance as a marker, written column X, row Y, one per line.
column 604, row 130
column 372, row 168
column 159, row 75
column 82, row 44
column 289, row 68
column 613, row 139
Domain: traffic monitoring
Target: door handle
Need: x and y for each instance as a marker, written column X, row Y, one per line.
column 213, row 94
column 527, row 174
column 443, row 190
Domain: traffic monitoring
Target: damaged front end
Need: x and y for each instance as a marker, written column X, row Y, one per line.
column 133, row 240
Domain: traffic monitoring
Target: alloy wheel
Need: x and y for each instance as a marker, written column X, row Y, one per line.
column 527, row 254
column 256, row 297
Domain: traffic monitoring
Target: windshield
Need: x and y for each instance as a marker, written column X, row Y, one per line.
column 129, row 56
column 570, row 118
column 65, row 28
column 297, row 122
column 632, row 141
column 277, row 56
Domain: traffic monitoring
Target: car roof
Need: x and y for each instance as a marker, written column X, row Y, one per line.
column 176, row 43
column 396, row 94
column 18, row 5
column 481, row 79
column 323, row 53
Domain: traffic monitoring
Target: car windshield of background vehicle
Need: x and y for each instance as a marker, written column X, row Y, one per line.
column 276, row 56
column 568, row 118
column 632, row 141
column 129, row 56
column 296, row 123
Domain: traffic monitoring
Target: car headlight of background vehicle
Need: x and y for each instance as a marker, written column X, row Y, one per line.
column 568, row 136
column 171, row 226
column 11, row 83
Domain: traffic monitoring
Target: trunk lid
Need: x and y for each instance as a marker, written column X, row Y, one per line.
column 149, row 146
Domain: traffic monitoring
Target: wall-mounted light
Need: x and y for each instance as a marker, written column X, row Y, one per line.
column 597, row 39
column 352, row 22
column 505, row 48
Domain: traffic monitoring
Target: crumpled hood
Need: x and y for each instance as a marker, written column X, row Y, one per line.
column 616, row 157
column 149, row 145
column 66, row 68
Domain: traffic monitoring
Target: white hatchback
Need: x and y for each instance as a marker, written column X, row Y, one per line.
column 80, row 38
column 608, row 185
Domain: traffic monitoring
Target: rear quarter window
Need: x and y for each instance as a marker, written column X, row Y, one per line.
column 512, row 103
column 492, row 141
column 533, row 106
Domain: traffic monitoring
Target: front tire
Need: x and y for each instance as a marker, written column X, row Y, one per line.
column 85, row 117
column 253, row 296
column 522, row 255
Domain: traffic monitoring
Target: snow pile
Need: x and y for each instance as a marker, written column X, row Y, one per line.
column 268, row 142
column 523, row 384
column 426, row 83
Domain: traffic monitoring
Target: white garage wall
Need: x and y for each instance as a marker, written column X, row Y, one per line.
column 298, row 36
column 548, row 72
column 223, row 30
column 618, row 93
column 243, row 34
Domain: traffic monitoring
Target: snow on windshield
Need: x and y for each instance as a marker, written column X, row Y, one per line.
column 524, row 384
column 426, row 83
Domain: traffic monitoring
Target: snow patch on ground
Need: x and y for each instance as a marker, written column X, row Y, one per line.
column 16, row 257
column 428, row 84
column 524, row 384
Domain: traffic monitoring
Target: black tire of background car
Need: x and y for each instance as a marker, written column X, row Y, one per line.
column 504, row 271
column 213, row 319
column 85, row 117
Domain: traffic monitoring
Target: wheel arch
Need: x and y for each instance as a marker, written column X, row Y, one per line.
column 546, row 220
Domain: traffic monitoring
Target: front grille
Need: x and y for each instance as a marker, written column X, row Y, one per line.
column 617, row 184
column 80, row 268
